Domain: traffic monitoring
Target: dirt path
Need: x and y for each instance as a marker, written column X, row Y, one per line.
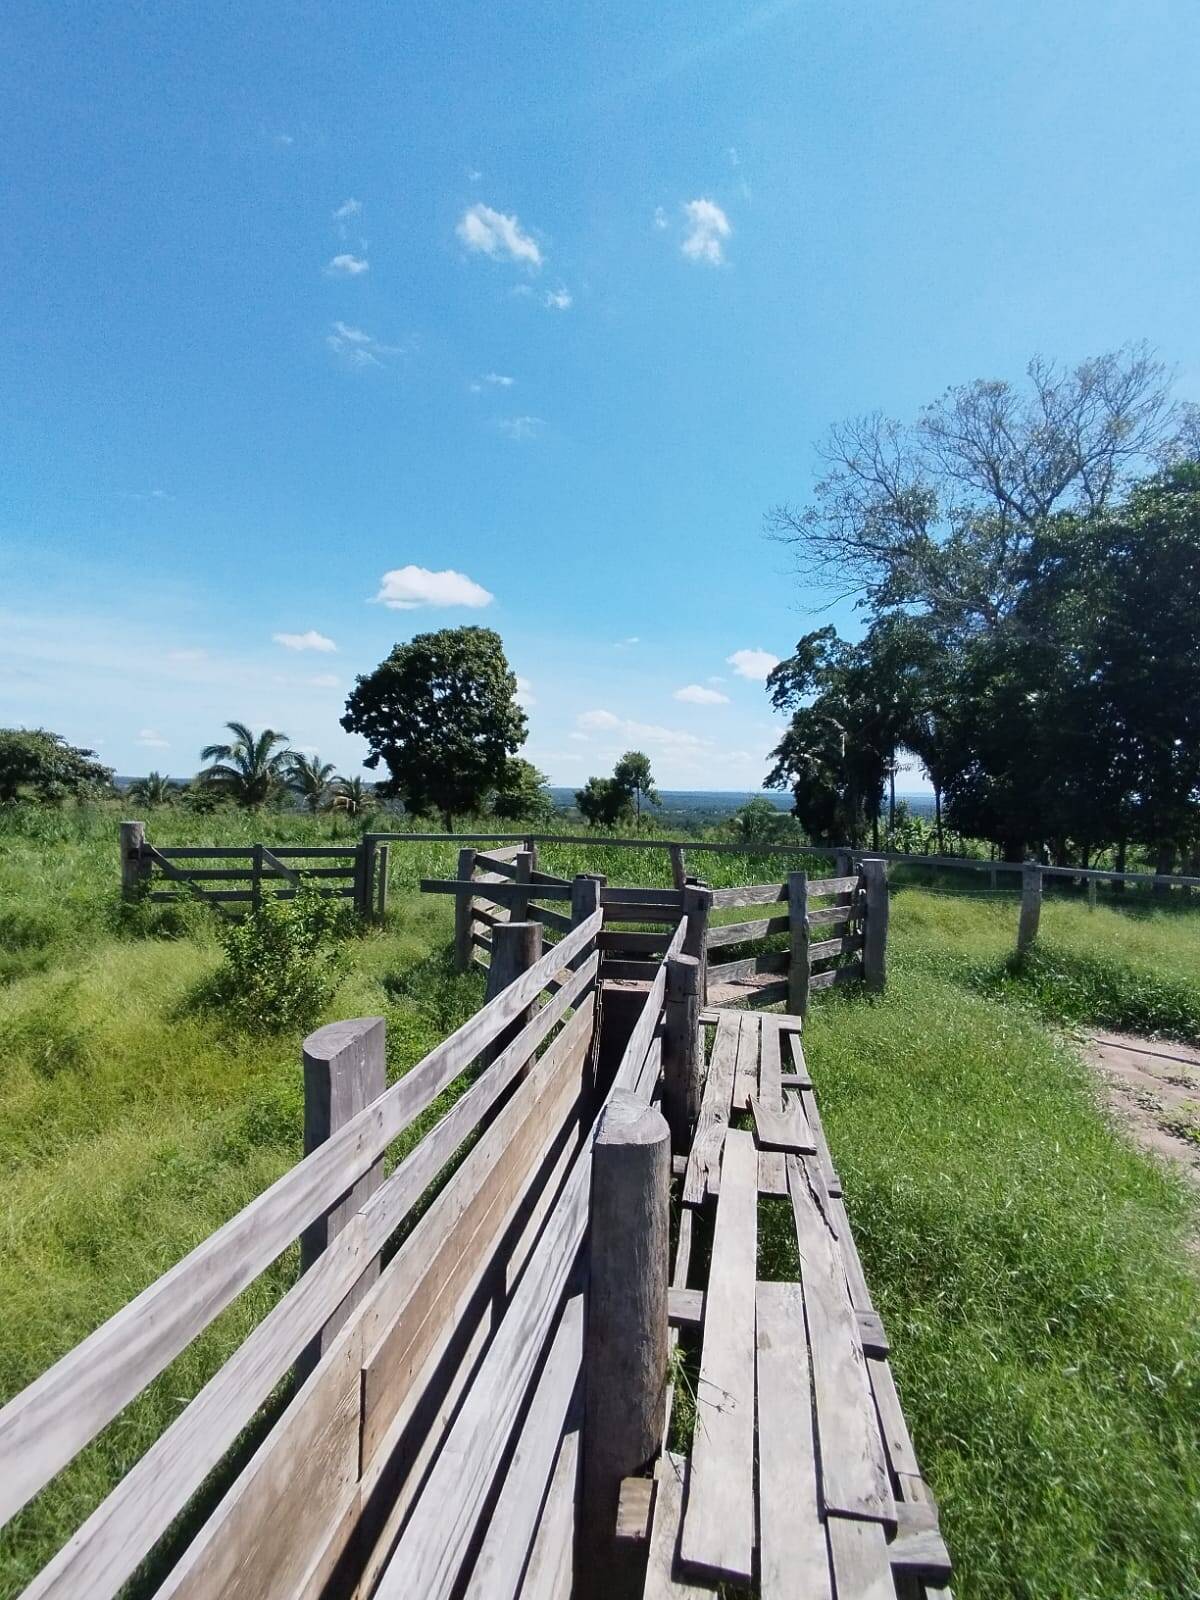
column 1153, row 1090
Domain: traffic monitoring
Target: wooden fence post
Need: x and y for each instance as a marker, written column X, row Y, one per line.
column 678, row 865
column 625, row 1350
column 381, row 889
column 875, row 925
column 524, row 868
column 133, row 837
column 697, row 902
column 345, row 1068
column 681, row 1050
column 842, row 863
column 463, row 919
column 516, row 946
column 1031, row 906
column 798, row 964
column 256, row 882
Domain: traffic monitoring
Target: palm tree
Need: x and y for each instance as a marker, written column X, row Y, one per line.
column 153, row 790
column 251, row 770
column 352, row 796
column 311, row 778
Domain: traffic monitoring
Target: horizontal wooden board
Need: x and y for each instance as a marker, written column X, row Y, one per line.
column 631, row 911
column 244, row 896
column 830, row 916
column 771, row 961
column 825, row 886
column 825, row 948
column 741, row 932
column 558, row 920
column 502, row 894
column 625, row 943
column 752, row 894
column 617, row 969
column 851, row 973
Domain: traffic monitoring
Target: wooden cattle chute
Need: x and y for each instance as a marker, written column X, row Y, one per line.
column 244, row 876
column 481, row 1404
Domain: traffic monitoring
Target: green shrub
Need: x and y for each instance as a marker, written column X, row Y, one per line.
column 281, row 964
column 1087, row 986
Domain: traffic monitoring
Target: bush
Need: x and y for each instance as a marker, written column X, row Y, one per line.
column 281, row 964
column 1090, row 987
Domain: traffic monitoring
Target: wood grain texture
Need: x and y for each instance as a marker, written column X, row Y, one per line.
column 772, row 1173
column 705, row 1157
column 750, row 894
column 824, row 949
column 824, row 886
column 745, row 1073
column 785, row 1130
column 770, row 961
column 835, row 977
column 859, row 1554
column 793, row 1553
column 800, row 967
column 550, row 1573
column 719, row 1517
column 661, row 1581
column 743, row 932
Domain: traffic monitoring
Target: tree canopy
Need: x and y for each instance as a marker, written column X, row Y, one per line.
column 250, row 769
column 522, row 797
column 441, row 714
column 42, row 765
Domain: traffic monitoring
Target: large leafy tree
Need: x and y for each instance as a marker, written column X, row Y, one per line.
column 441, row 714
column 154, row 790
column 250, row 769
column 44, row 766
column 603, row 803
column 632, row 774
column 522, row 795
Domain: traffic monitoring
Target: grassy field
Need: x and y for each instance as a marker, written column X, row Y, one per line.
column 1030, row 1268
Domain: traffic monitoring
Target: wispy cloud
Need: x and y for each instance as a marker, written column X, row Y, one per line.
column 521, row 427
column 146, row 496
column 660, row 218
column 695, row 694
column 358, row 348
column 560, row 299
column 492, row 233
column 347, row 266
column 311, row 640
column 607, row 722
column 324, row 680
column 407, row 588
column 754, row 664
column 494, row 380
column 708, row 228
column 525, row 694
column 347, row 209
column 624, row 644
column 153, row 740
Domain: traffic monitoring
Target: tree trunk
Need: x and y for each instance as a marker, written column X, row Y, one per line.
column 937, row 812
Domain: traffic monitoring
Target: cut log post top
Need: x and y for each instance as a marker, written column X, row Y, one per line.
column 682, row 1055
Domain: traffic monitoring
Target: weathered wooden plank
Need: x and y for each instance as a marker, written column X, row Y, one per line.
column 44, row 1426
column 799, row 1064
column 836, row 976
column 827, row 916
column 661, row 1582
column 501, row 893
column 786, row 1130
column 859, row 1554
column 743, row 932
column 619, row 970
column 793, row 1554
column 685, row 1307
column 896, row 1437
column 825, row 948
column 537, row 876
column 719, row 1520
column 705, row 1157
column 550, row 1573
column 627, row 944
column 557, row 920
column 871, row 1330
column 770, row 961
column 500, row 1563
column 918, row 1547
column 745, row 1073
column 854, row 1471
column 629, row 1072
column 829, row 1176
column 824, row 886
column 634, row 1506
column 772, row 1173
column 624, row 911
column 428, row 1557
column 768, row 994
column 750, row 894
column 618, row 893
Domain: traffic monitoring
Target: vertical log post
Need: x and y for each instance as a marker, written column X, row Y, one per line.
column 875, row 925
column 133, row 837
column 520, row 902
column 798, row 963
column 681, row 1050
column 1031, row 906
column 345, row 1068
column 697, row 903
column 381, row 888
column 678, row 865
column 463, row 918
column 842, row 864
column 516, row 946
column 625, row 1353
column 370, row 857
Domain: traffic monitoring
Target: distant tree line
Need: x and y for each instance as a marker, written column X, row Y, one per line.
column 1029, row 561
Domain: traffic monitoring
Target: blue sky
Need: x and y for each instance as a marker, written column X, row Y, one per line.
column 264, row 267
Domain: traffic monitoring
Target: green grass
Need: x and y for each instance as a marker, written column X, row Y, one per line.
column 1029, row 1266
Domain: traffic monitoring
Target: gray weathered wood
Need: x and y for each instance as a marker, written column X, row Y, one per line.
column 550, row 1571
column 825, row 916
column 870, row 1327
column 718, row 1519
column 697, row 905
column 634, row 1504
column 685, row 1307
column 462, row 910
column 751, row 894
column 825, row 948
column 516, row 947
column 345, row 1069
column 523, row 868
column 743, row 932
column 896, row 1437
column 834, row 977
column 786, row 1130
column 820, row 887
column 793, row 1555
column 771, row 961
column 625, row 1358
column 859, row 1554
column 1031, row 906
column 678, row 865
column 558, row 920
column 133, row 837
column 625, row 943
column 772, row 1173
column 745, row 1072
column 512, row 1527
column 918, row 1547
column 875, row 928
column 854, row 1473
column 682, row 1056
column 502, row 893
column 801, row 965
column 661, row 1581
column 705, row 1157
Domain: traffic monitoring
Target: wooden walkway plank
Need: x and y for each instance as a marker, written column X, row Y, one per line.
column 719, row 1518
column 661, row 1584
column 745, row 1077
column 550, row 1574
column 854, row 1469
column 705, row 1158
column 896, row 1437
column 860, row 1295
column 772, row 1174
column 860, row 1560
column 793, row 1552
column 784, row 1130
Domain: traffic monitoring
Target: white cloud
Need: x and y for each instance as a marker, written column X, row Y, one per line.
column 525, row 694
column 153, row 740
column 407, row 588
column 491, row 233
column 660, row 218
column 521, row 427
column 696, row 695
column 358, row 348
column 754, row 664
column 312, row 640
column 347, row 266
column 495, row 380
column 347, row 209
column 559, row 299
column 708, row 228
column 593, row 721
column 714, row 677
column 649, row 733
column 624, row 644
